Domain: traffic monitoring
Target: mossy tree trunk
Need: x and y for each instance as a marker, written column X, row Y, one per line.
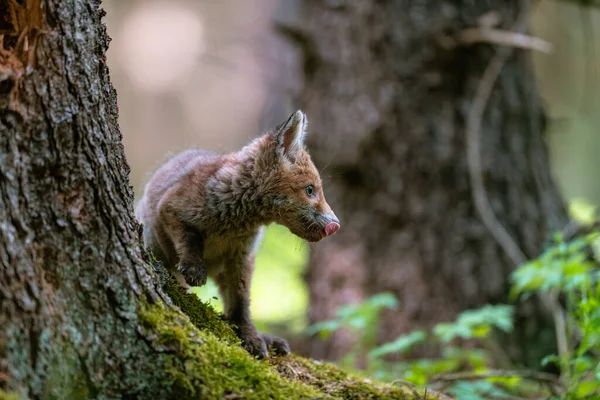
column 71, row 274
column 388, row 102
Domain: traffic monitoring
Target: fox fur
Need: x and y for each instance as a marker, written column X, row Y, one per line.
column 204, row 213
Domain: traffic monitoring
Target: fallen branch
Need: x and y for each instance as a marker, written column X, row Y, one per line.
column 550, row 380
column 415, row 392
column 472, row 376
column 409, row 385
column 504, row 38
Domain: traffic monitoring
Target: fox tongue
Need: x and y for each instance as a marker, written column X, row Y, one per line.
column 330, row 229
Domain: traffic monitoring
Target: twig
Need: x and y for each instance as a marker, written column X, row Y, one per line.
column 409, row 385
column 490, row 19
column 474, row 119
column 482, row 205
column 542, row 377
column 437, row 394
column 294, row 372
column 232, row 396
column 575, row 229
column 472, row 376
column 505, row 38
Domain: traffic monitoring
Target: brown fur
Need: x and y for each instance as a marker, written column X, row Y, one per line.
column 203, row 215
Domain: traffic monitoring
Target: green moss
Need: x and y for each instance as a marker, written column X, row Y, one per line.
column 210, row 363
column 202, row 315
column 213, row 367
column 181, row 385
column 335, row 382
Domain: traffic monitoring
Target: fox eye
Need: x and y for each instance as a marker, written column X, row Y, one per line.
column 310, row 190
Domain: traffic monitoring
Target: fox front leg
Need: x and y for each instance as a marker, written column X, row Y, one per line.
column 191, row 262
column 188, row 246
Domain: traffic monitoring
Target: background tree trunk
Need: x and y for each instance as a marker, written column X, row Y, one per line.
column 71, row 272
column 388, row 103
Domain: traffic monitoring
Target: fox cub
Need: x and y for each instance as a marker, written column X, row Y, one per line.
column 203, row 215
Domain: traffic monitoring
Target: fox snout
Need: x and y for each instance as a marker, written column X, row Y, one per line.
column 329, row 225
column 330, row 229
column 310, row 225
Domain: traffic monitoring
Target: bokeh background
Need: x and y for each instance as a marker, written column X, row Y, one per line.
column 214, row 74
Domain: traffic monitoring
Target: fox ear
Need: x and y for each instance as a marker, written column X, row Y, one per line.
column 290, row 136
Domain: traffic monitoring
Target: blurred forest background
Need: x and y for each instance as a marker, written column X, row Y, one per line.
column 214, row 74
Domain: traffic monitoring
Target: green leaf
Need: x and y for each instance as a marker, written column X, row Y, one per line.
column 551, row 359
column 402, row 344
column 586, row 388
column 383, row 300
column 582, row 364
column 476, row 323
column 481, row 331
column 479, row 390
column 324, row 329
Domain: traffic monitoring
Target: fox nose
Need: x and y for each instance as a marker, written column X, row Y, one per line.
column 330, row 229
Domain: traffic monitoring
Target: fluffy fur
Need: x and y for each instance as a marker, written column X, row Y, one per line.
column 203, row 215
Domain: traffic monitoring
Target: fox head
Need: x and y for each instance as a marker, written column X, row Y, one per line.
column 295, row 184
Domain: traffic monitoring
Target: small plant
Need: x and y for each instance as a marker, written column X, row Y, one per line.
column 475, row 325
column 570, row 268
column 362, row 319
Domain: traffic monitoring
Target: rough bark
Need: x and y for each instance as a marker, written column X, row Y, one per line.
column 388, row 101
column 69, row 247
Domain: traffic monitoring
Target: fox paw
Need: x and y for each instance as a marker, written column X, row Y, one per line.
column 193, row 271
column 255, row 344
column 277, row 344
column 258, row 344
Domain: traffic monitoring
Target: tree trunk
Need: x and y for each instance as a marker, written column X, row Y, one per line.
column 69, row 247
column 388, row 102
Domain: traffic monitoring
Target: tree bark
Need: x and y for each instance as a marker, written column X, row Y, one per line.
column 388, row 102
column 69, row 247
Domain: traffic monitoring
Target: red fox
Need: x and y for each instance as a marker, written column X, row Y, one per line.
column 203, row 215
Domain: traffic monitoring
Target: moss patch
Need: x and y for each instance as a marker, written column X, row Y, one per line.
column 202, row 315
column 210, row 363
column 333, row 381
column 206, row 366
